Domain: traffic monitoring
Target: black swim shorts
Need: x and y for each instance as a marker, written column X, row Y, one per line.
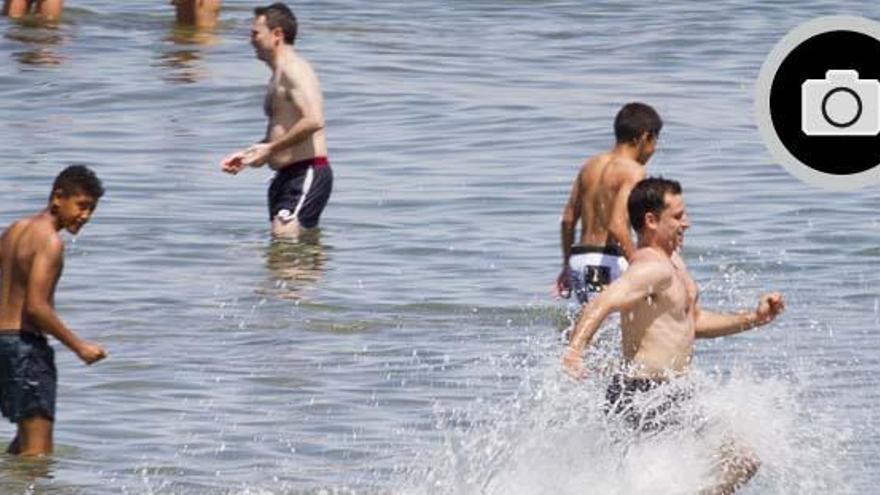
column 646, row 405
column 300, row 191
column 28, row 377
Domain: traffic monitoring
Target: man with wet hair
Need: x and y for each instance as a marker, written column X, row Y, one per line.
column 197, row 13
column 47, row 9
column 31, row 260
column 294, row 145
column 660, row 318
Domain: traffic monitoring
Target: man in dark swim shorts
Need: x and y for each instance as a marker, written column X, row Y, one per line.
column 660, row 318
column 295, row 144
column 646, row 405
column 300, row 191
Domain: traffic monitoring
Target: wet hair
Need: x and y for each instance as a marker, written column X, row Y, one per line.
column 649, row 196
column 78, row 179
column 635, row 119
column 279, row 15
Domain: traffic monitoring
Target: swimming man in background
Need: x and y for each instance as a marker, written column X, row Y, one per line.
column 295, row 144
column 31, row 260
column 598, row 198
column 660, row 318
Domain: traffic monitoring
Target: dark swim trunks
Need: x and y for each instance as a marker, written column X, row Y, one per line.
column 300, row 191
column 646, row 405
column 28, row 378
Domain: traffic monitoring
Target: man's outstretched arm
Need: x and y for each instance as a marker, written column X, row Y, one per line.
column 710, row 325
column 637, row 283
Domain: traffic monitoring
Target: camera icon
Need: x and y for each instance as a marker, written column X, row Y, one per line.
column 840, row 105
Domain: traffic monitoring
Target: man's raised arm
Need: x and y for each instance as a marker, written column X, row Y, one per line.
column 637, row 283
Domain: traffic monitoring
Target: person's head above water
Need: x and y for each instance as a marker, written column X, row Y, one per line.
column 638, row 125
column 279, row 16
column 75, row 194
column 657, row 212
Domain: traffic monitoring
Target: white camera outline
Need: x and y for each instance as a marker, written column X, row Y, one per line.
column 837, row 80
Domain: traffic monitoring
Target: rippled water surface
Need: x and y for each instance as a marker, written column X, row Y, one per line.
column 413, row 347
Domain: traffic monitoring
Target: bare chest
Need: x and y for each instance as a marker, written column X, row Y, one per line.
column 682, row 293
column 278, row 101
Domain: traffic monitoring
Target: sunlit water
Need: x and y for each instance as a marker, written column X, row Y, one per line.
column 414, row 347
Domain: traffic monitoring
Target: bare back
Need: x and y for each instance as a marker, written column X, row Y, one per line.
column 293, row 90
column 19, row 246
column 601, row 182
column 659, row 331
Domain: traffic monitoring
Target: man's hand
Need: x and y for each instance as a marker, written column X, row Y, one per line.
column 91, row 353
column 233, row 163
column 573, row 363
column 257, row 155
column 254, row 156
column 563, row 284
column 769, row 307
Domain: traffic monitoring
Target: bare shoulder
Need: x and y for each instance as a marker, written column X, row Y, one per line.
column 649, row 260
column 299, row 72
column 593, row 166
column 678, row 260
column 14, row 232
column 42, row 237
column 628, row 171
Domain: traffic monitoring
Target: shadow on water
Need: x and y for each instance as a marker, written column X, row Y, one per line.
column 39, row 39
column 295, row 266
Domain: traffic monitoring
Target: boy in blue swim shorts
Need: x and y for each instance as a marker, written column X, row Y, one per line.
column 31, row 259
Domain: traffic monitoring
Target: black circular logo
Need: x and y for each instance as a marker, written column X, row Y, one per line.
column 818, row 102
column 840, row 69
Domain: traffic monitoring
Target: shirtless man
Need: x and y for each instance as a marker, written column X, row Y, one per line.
column 197, row 13
column 48, row 9
column 661, row 316
column 295, row 144
column 598, row 198
column 31, row 259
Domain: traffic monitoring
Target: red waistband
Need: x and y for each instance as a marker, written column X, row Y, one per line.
column 317, row 161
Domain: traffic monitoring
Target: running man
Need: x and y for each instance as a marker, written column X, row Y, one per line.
column 48, row 9
column 598, row 197
column 295, row 144
column 31, row 260
column 660, row 318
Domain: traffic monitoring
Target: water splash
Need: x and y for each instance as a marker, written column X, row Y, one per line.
column 554, row 436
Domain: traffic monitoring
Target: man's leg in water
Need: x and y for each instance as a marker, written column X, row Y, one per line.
column 15, row 8
column 50, row 9
column 13, row 446
column 34, row 437
column 736, row 467
column 286, row 229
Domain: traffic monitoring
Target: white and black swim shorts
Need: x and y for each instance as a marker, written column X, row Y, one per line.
column 594, row 267
column 300, row 191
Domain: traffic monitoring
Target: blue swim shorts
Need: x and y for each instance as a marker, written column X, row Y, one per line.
column 28, row 378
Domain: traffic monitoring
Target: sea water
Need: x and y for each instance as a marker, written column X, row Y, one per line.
column 413, row 346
